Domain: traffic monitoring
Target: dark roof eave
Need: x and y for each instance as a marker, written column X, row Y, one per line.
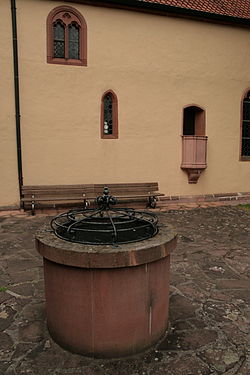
column 167, row 10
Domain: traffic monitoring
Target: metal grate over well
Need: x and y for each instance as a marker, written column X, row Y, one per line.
column 105, row 225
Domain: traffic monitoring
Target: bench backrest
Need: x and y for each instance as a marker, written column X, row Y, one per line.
column 128, row 188
column 57, row 190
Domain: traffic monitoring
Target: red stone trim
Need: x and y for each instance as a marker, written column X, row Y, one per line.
column 76, row 16
column 245, row 158
column 114, row 135
column 242, row 158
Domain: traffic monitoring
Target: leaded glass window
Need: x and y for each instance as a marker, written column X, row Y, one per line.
column 66, row 37
column 59, row 39
column 108, row 114
column 73, row 41
column 245, row 149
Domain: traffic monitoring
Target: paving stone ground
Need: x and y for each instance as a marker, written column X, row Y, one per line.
column 209, row 324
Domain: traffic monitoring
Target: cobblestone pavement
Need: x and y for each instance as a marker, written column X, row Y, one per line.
column 209, row 303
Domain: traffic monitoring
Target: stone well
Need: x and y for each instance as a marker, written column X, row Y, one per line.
column 107, row 301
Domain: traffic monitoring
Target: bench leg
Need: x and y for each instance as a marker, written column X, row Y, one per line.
column 152, row 202
column 33, row 205
column 85, row 204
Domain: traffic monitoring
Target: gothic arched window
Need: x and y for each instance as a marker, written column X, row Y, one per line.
column 109, row 115
column 66, row 37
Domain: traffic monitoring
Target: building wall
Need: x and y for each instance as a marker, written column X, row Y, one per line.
column 9, row 195
column 156, row 65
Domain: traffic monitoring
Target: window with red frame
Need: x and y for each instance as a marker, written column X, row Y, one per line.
column 66, row 37
column 245, row 132
column 109, row 115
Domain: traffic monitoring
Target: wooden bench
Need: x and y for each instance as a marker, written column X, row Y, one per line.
column 74, row 195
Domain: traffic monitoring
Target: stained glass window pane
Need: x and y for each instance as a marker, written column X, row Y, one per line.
column 246, row 109
column 246, row 146
column 108, row 114
column 59, row 39
column 246, row 127
column 74, row 41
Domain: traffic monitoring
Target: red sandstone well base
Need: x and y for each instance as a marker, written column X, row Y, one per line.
column 107, row 312
column 107, row 301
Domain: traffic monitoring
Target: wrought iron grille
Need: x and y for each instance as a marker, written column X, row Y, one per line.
column 59, row 39
column 108, row 114
column 73, row 41
column 246, row 128
column 105, row 225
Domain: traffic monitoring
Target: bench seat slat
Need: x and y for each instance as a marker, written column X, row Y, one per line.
column 55, row 193
column 58, row 198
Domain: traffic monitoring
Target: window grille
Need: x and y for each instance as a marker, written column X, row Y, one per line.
column 74, row 41
column 245, row 146
column 59, row 39
column 108, row 114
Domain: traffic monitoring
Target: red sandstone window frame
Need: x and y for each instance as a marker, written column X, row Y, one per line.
column 114, row 134
column 67, row 15
column 243, row 157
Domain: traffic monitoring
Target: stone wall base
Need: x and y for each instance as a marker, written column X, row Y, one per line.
column 10, row 208
column 206, row 200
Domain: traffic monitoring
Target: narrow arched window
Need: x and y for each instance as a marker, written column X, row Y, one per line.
column 66, row 37
column 193, row 121
column 109, row 115
column 245, row 128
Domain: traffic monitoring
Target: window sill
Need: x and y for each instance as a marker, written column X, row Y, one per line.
column 66, row 62
column 245, row 158
column 113, row 136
